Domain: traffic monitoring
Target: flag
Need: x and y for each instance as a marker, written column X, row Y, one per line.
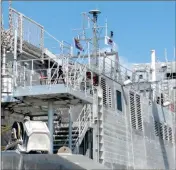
column 172, row 107
column 78, row 45
column 108, row 41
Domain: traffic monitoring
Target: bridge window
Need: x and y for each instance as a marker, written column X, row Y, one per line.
column 119, row 100
column 171, row 75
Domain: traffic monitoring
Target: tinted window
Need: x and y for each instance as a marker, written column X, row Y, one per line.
column 119, row 100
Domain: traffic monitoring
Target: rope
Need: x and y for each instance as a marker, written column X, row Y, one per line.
column 5, row 129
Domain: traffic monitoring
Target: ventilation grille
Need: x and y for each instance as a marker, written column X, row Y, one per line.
column 165, row 132
column 156, row 128
column 161, row 130
column 104, row 87
column 138, row 109
column 132, row 110
column 170, row 134
column 109, row 97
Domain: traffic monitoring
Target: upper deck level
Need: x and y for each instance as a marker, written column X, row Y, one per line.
column 32, row 65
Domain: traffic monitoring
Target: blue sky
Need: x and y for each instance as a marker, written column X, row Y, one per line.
column 138, row 26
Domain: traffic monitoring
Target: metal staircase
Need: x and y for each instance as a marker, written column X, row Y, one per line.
column 79, row 129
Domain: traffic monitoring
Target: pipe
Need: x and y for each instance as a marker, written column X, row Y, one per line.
column 3, row 61
column 50, row 124
column 153, row 67
column 15, row 58
column 70, row 130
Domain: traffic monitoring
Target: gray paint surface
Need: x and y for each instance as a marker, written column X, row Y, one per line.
column 126, row 147
column 16, row 161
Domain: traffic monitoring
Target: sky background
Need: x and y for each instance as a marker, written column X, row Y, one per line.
column 138, row 26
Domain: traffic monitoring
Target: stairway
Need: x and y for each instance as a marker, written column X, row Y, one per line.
column 61, row 136
column 79, row 129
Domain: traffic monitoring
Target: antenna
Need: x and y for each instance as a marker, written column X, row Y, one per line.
column 106, row 27
column 165, row 54
column 95, row 14
column 2, row 18
column 10, row 14
column 174, row 53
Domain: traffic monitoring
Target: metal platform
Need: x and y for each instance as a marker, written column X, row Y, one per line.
column 55, row 92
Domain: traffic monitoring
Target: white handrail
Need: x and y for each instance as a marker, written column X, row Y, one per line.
column 83, row 120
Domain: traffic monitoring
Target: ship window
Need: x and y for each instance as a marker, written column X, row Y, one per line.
column 171, row 75
column 132, row 110
column 119, row 100
column 138, row 109
column 110, row 97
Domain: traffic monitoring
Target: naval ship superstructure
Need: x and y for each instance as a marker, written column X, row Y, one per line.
column 117, row 117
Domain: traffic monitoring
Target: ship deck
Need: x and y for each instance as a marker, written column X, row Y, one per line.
column 54, row 92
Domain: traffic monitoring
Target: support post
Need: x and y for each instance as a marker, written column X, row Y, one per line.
column 50, row 124
column 153, row 67
column 70, row 130
column 90, row 143
column 15, row 59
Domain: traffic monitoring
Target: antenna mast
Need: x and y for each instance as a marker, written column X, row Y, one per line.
column 95, row 39
column 165, row 55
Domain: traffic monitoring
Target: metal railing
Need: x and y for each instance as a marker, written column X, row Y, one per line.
column 82, row 123
column 33, row 35
column 29, row 74
column 28, row 30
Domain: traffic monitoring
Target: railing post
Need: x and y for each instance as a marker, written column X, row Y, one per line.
column 32, row 67
column 21, row 31
column 103, row 71
column 50, row 124
column 15, row 58
column 24, row 77
column 79, row 129
column 85, row 83
column 84, row 113
column 49, row 72
column 70, row 130
column 67, row 71
column 111, row 69
column 42, row 41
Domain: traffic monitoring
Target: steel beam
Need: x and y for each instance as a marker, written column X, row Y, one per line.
column 70, row 130
column 50, row 124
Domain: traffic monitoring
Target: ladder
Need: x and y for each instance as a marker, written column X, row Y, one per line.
column 98, row 126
